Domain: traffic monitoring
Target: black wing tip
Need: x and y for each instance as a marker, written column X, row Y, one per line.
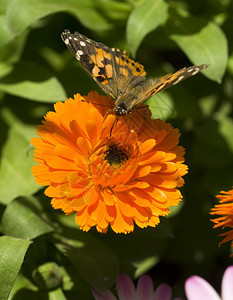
column 199, row 67
column 65, row 34
column 203, row 66
column 195, row 69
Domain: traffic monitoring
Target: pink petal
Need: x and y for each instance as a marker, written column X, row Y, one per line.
column 125, row 287
column 106, row 296
column 145, row 288
column 197, row 288
column 163, row 292
column 227, row 284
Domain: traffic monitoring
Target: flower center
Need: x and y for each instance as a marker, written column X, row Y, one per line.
column 116, row 155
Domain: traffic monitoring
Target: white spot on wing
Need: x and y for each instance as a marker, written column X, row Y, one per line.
column 178, row 79
column 77, row 55
column 190, row 70
column 195, row 71
column 67, row 41
column 82, row 43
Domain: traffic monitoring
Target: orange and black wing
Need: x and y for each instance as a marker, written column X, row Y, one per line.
column 169, row 80
column 111, row 68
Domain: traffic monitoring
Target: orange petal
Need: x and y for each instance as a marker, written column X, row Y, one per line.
column 147, row 146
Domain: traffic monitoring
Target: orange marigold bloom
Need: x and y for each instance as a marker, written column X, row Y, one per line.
column 225, row 210
column 129, row 177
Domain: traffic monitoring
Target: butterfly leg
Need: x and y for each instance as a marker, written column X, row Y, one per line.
column 109, row 111
column 132, row 121
column 142, row 106
column 104, row 118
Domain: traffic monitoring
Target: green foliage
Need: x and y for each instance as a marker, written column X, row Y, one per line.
column 143, row 19
column 96, row 263
column 12, row 252
column 201, row 41
column 15, row 172
column 36, row 83
column 27, row 210
column 36, row 70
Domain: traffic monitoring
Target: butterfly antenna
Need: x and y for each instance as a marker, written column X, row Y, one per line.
column 116, row 118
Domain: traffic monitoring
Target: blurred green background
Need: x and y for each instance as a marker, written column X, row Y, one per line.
column 36, row 70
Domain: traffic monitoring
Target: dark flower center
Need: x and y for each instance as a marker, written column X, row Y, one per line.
column 116, row 155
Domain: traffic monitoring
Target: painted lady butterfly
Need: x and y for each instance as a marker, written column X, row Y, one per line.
column 119, row 76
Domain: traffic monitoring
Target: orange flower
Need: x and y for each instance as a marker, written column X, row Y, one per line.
column 225, row 210
column 129, row 177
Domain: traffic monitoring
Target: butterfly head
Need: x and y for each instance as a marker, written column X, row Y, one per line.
column 121, row 110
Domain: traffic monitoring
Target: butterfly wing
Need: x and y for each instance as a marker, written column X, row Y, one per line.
column 119, row 76
column 168, row 80
column 111, row 68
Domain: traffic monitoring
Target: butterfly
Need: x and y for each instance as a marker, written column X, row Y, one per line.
column 119, row 76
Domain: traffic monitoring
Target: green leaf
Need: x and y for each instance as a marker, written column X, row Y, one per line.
column 113, row 9
column 21, row 283
column 12, row 252
column 3, row 6
column 5, row 33
column 145, row 265
column 143, row 19
column 22, row 219
column 5, row 69
column 202, row 42
column 15, row 170
column 96, row 263
column 161, row 106
column 32, row 81
column 23, row 13
column 11, row 52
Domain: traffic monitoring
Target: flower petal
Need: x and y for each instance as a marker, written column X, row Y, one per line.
column 227, row 284
column 147, row 146
column 197, row 288
column 144, row 288
column 125, row 287
column 163, row 292
column 224, row 212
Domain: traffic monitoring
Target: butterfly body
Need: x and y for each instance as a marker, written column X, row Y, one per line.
column 120, row 77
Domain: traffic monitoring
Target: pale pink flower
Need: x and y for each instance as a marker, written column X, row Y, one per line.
column 197, row 288
column 144, row 291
